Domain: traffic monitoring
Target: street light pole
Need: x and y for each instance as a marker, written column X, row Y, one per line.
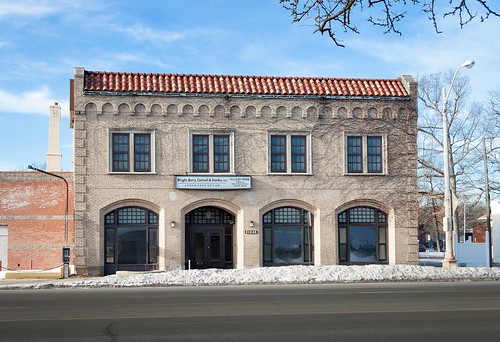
column 65, row 249
column 449, row 256
column 488, row 200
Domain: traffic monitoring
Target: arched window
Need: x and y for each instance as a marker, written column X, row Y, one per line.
column 362, row 236
column 287, row 237
column 209, row 215
column 131, row 240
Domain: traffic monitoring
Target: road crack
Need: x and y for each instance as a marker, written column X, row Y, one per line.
column 108, row 330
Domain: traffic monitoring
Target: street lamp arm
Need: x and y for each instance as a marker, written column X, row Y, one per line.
column 467, row 64
column 48, row 173
column 67, row 199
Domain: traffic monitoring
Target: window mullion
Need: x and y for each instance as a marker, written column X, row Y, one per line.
column 211, row 156
column 131, row 152
column 364, row 152
column 288, row 154
column 232, row 167
column 384, row 154
column 308, row 156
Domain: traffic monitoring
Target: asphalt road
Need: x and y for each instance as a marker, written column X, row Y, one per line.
column 464, row 311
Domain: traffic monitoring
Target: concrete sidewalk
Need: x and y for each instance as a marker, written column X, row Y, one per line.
column 19, row 277
column 28, row 281
column 21, row 283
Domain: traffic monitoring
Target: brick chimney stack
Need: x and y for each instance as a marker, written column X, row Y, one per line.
column 54, row 156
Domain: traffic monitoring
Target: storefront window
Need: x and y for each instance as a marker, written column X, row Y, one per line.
column 362, row 236
column 287, row 237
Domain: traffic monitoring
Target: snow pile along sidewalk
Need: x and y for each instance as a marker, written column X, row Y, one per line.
column 277, row 275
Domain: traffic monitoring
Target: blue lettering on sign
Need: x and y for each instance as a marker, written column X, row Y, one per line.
column 223, row 182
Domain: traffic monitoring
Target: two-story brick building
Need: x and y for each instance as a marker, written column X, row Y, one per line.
column 36, row 211
column 202, row 171
column 33, row 230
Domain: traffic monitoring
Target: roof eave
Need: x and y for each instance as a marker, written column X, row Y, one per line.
column 264, row 96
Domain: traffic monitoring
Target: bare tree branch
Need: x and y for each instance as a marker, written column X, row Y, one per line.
column 334, row 16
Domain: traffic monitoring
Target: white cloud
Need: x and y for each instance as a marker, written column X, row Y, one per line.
column 27, row 9
column 251, row 52
column 144, row 33
column 127, row 57
column 30, row 102
column 41, row 8
column 426, row 52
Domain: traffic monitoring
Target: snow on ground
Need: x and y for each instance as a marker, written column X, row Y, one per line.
column 269, row 276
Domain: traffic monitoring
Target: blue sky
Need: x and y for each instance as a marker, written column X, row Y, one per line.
column 42, row 41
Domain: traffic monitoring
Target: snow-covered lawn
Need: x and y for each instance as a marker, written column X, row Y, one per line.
column 272, row 275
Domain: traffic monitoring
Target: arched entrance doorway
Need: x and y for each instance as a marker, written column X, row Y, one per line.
column 209, row 238
column 130, row 240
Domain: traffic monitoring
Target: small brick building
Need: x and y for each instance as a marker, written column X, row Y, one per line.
column 199, row 171
column 32, row 219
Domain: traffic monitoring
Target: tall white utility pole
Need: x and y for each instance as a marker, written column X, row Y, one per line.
column 449, row 255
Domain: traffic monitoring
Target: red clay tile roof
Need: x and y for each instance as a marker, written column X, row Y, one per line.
column 122, row 82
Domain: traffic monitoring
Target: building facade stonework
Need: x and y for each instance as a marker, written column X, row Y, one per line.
column 32, row 220
column 198, row 171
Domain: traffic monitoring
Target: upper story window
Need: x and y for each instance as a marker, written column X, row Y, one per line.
column 131, row 152
column 365, row 154
column 289, row 153
column 211, row 153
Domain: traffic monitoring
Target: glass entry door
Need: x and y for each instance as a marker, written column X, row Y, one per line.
column 206, row 248
column 130, row 240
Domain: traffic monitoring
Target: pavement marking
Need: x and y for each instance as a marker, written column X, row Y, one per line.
column 233, row 314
